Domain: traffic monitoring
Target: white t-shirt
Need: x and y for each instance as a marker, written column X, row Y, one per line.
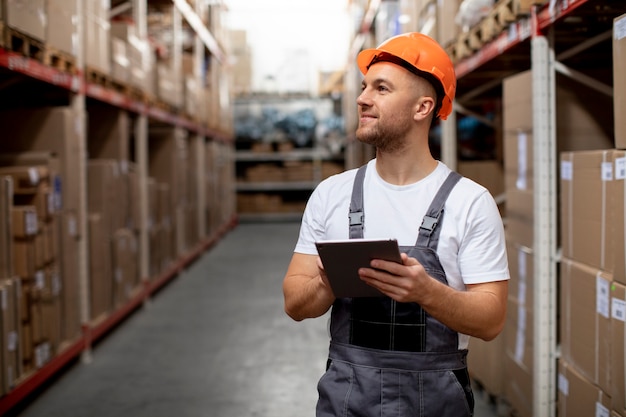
column 471, row 246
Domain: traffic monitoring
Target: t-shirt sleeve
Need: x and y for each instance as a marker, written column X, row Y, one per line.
column 311, row 230
column 482, row 254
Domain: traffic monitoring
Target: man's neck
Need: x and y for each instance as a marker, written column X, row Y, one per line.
column 404, row 168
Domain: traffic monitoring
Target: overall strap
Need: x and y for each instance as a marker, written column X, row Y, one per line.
column 356, row 217
column 428, row 234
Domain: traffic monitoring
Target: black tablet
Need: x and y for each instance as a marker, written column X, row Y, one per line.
column 343, row 258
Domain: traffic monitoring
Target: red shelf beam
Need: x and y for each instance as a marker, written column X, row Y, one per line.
column 516, row 33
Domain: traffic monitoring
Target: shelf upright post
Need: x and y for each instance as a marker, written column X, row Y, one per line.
column 199, row 142
column 544, row 240
column 79, row 108
column 448, row 141
column 141, row 152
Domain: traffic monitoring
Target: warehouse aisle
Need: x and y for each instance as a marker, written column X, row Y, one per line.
column 214, row 343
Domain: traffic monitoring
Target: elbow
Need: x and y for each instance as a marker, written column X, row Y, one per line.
column 491, row 332
column 293, row 313
column 293, row 316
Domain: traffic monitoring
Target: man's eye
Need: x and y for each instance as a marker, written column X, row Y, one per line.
column 382, row 88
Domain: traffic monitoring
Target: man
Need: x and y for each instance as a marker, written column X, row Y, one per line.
column 403, row 354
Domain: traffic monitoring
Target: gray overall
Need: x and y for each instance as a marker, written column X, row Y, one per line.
column 392, row 359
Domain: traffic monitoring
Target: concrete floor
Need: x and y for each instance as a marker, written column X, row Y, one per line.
column 213, row 343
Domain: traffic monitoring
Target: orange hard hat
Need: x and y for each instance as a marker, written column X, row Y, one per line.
column 421, row 55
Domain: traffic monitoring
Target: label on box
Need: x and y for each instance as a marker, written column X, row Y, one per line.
column 521, row 262
column 30, row 223
column 619, row 29
column 563, row 384
column 602, row 296
column 620, row 168
column 520, row 340
column 40, row 280
column 33, row 176
column 618, row 309
column 602, row 411
column 12, row 341
column 567, row 170
column 607, row 171
column 522, row 168
column 58, row 196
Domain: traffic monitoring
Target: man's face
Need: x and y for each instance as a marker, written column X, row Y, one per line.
column 386, row 106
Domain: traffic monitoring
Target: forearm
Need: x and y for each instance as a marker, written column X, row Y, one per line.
column 306, row 297
column 478, row 312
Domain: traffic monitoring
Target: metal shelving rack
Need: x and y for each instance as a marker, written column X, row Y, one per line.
column 79, row 90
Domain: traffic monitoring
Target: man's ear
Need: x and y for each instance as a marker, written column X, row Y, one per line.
column 424, row 107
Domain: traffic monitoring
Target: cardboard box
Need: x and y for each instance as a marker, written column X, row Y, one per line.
column 120, row 64
column 106, row 194
column 97, row 35
column 577, row 396
column 100, row 267
column 26, row 16
column 619, row 83
column 25, row 223
column 521, row 268
column 585, row 329
column 618, row 347
column 592, row 209
column 56, row 130
column 484, row 362
column 518, row 386
column 62, row 26
column 6, row 227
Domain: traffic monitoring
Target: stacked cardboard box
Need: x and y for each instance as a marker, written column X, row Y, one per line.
column 57, row 132
column 169, row 164
column 616, row 229
column 62, row 25
column 579, row 127
column 35, row 257
column 97, row 35
column 138, row 53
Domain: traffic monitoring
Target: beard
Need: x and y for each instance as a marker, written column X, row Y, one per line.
column 390, row 137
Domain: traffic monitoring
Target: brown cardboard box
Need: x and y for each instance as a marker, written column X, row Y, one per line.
column 518, row 386
column 125, row 265
column 619, row 83
column 97, row 34
column 520, row 216
column 25, row 223
column 521, row 268
column 58, row 130
column 108, row 133
column 26, row 16
column 70, row 297
column 169, row 155
column 120, row 64
column 484, row 362
column 10, row 336
column 592, row 209
column 585, row 329
column 62, row 25
column 578, row 396
column 618, row 347
column 100, row 267
column 106, row 194
column 6, row 227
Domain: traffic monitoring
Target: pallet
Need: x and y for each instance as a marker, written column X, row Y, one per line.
column 96, row 76
column 16, row 41
column 501, row 16
column 60, row 60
